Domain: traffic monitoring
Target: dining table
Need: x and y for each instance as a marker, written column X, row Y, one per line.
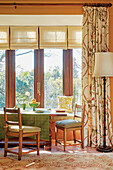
column 43, row 118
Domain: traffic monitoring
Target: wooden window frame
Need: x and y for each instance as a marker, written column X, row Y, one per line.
column 10, row 78
column 38, row 76
column 67, row 73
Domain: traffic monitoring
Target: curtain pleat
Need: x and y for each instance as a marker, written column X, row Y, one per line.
column 95, row 39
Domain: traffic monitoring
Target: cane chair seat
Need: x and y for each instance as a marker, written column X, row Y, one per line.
column 25, row 129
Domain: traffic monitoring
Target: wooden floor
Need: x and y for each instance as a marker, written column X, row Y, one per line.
column 72, row 149
column 69, row 149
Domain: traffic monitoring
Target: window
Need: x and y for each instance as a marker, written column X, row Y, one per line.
column 24, row 76
column 56, row 70
column 77, row 79
column 2, row 79
column 53, row 81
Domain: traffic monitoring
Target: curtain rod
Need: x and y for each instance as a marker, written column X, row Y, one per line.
column 98, row 4
column 57, row 4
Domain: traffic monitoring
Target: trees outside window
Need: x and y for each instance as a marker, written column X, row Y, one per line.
column 24, row 76
column 77, row 79
column 53, row 76
column 53, row 79
column 2, row 79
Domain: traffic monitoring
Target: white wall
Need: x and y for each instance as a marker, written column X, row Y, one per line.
column 40, row 20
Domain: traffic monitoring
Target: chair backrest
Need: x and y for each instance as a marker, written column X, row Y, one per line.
column 12, row 110
column 79, row 109
column 65, row 102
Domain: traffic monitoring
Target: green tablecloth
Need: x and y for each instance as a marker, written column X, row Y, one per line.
column 39, row 120
column 31, row 118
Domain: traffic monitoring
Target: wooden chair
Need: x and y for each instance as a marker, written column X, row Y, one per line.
column 15, row 129
column 71, row 125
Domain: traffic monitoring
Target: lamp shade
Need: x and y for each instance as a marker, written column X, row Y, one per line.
column 103, row 64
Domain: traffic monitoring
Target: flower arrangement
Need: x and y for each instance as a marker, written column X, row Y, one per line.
column 34, row 104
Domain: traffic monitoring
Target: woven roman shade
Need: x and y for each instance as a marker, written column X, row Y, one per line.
column 4, row 38
column 53, row 37
column 23, row 38
column 74, row 37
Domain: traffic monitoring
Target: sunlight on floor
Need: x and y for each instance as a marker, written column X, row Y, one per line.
column 30, row 164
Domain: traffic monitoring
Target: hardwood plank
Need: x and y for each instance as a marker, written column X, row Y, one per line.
column 35, row 74
column 39, row 76
column 42, row 78
column 10, row 78
column 67, row 73
column 59, row 148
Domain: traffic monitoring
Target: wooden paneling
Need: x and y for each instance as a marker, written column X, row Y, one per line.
column 56, row 1
column 10, row 78
column 41, row 10
column 67, row 73
column 46, row 8
column 39, row 76
column 42, row 77
column 36, row 96
column 71, row 72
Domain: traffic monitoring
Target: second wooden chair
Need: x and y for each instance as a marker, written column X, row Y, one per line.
column 71, row 125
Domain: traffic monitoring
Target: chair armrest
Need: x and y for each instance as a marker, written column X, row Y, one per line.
column 12, row 123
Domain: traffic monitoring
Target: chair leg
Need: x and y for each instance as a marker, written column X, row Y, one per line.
column 82, row 137
column 38, row 142
column 56, row 134
column 5, row 145
column 74, row 136
column 64, row 139
column 20, row 147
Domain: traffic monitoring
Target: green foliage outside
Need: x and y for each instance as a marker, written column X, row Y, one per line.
column 2, row 79
column 53, row 87
column 24, row 83
column 77, row 84
column 76, row 91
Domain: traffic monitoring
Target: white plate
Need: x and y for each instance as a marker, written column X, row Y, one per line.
column 40, row 110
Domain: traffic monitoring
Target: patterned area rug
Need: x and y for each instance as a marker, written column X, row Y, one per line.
column 88, row 161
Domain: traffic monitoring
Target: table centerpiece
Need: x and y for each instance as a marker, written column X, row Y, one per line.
column 34, row 104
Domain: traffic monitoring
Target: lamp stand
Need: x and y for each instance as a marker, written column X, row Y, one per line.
column 104, row 148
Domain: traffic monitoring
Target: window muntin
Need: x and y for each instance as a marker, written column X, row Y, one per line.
column 2, row 79
column 24, row 62
column 53, row 78
column 77, row 78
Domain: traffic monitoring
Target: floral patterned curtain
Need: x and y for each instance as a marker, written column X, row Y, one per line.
column 95, row 39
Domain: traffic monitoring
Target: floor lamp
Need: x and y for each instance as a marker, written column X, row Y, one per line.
column 104, row 68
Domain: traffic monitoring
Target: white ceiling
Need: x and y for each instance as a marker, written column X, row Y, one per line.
column 40, row 20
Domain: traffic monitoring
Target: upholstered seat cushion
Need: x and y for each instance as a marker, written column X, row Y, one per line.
column 69, row 123
column 26, row 129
